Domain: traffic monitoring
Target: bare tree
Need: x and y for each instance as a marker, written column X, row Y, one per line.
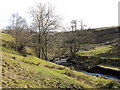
column 18, row 28
column 74, row 25
column 17, row 22
column 44, row 20
column 82, row 25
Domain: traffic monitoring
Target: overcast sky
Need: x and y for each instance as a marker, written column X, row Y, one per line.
column 95, row 13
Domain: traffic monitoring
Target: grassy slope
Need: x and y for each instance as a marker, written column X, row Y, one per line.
column 104, row 52
column 106, row 34
column 96, row 51
column 103, row 28
column 32, row 72
column 113, row 53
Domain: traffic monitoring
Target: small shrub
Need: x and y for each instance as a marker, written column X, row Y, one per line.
column 27, row 50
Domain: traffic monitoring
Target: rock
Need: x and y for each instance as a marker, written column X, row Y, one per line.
column 14, row 58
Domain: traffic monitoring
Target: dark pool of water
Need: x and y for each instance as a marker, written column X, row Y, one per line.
column 100, row 75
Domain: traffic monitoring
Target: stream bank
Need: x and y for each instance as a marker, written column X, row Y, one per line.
column 95, row 71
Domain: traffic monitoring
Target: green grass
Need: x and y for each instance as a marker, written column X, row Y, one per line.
column 6, row 37
column 32, row 72
column 18, row 72
column 44, row 74
column 114, row 53
column 96, row 51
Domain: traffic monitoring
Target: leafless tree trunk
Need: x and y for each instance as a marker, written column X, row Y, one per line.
column 44, row 20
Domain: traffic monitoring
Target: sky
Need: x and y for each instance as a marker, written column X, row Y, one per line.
column 94, row 13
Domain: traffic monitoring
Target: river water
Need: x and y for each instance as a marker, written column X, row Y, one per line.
column 108, row 76
column 100, row 75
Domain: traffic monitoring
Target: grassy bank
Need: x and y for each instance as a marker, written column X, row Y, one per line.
column 107, row 56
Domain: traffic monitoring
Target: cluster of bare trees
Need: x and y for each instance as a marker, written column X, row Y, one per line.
column 76, row 23
column 18, row 28
column 70, row 41
column 77, row 36
column 44, row 20
column 39, row 36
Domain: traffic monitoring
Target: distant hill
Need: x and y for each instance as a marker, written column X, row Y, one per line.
column 107, row 34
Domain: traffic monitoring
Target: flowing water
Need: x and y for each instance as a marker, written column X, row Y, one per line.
column 98, row 74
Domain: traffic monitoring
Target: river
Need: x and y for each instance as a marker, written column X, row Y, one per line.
column 98, row 72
